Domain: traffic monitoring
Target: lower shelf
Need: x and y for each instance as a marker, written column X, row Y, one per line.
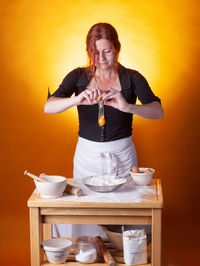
column 80, row 264
column 116, row 254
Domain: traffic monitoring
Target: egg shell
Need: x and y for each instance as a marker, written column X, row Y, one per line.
column 147, row 171
column 135, row 169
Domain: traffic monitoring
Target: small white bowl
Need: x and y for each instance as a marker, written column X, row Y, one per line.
column 53, row 188
column 142, row 179
column 57, row 249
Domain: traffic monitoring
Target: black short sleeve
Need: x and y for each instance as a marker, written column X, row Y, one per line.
column 68, row 85
column 142, row 89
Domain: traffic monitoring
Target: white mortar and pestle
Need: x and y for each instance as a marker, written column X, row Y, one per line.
column 49, row 186
column 53, row 186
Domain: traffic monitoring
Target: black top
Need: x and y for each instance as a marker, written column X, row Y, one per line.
column 118, row 124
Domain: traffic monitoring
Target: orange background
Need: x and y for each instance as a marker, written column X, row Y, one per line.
column 41, row 41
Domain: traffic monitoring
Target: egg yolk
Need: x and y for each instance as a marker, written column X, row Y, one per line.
column 101, row 121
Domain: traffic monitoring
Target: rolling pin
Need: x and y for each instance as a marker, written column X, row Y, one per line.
column 73, row 190
column 105, row 252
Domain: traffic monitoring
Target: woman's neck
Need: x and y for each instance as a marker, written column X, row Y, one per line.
column 105, row 74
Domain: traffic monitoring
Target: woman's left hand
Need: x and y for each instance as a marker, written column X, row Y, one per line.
column 115, row 99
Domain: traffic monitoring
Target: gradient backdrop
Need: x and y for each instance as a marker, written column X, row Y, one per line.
column 41, row 41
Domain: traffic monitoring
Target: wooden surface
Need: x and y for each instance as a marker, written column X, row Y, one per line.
column 116, row 254
column 153, row 201
column 80, row 264
column 35, row 236
column 44, row 212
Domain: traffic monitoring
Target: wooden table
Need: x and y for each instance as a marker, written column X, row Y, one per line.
column 43, row 213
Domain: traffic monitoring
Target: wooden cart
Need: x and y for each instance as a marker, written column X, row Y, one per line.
column 43, row 213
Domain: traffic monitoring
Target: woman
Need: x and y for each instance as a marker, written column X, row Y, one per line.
column 106, row 79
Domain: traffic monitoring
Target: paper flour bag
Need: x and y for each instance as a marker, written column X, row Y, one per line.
column 135, row 246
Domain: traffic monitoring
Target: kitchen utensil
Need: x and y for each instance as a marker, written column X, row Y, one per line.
column 73, row 190
column 57, row 249
column 105, row 252
column 34, row 176
column 53, row 187
column 115, row 238
column 70, row 188
column 105, row 187
column 142, row 179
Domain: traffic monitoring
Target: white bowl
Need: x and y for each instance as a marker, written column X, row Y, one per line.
column 104, row 184
column 53, row 188
column 142, row 179
column 57, row 249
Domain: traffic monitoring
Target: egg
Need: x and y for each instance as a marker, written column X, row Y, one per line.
column 101, row 121
column 147, row 171
column 100, row 97
column 135, row 169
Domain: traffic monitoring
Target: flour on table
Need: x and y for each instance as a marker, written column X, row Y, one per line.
column 128, row 193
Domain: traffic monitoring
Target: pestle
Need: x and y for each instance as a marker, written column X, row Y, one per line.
column 34, row 176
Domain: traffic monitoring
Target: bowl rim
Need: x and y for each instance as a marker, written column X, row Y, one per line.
column 117, row 177
column 50, row 248
column 142, row 168
column 106, row 188
column 62, row 179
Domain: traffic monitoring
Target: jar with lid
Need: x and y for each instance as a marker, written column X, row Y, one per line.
column 85, row 249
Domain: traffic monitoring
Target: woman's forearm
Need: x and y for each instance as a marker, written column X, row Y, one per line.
column 152, row 110
column 55, row 105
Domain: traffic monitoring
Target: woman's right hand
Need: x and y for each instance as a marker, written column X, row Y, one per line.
column 55, row 105
column 89, row 96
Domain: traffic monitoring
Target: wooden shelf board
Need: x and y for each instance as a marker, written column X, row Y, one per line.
column 80, row 264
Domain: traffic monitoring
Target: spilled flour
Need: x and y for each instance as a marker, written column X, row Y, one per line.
column 129, row 193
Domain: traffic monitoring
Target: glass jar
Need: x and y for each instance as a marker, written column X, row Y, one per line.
column 85, row 249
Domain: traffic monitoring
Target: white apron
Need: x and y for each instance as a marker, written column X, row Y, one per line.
column 98, row 158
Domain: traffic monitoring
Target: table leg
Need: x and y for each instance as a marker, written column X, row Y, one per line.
column 35, row 236
column 47, row 231
column 156, row 238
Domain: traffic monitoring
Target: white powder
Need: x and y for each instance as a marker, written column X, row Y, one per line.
column 86, row 256
column 135, row 247
column 104, row 180
column 128, row 193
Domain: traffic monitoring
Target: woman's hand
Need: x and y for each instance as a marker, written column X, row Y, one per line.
column 55, row 105
column 115, row 99
column 151, row 110
column 89, row 96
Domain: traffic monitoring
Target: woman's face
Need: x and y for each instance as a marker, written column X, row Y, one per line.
column 104, row 54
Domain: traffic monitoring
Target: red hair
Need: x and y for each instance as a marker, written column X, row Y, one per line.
column 101, row 31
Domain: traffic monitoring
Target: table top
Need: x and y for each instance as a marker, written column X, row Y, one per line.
column 149, row 200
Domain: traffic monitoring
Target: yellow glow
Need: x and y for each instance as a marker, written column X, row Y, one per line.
column 41, row 41
column 48, row 41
